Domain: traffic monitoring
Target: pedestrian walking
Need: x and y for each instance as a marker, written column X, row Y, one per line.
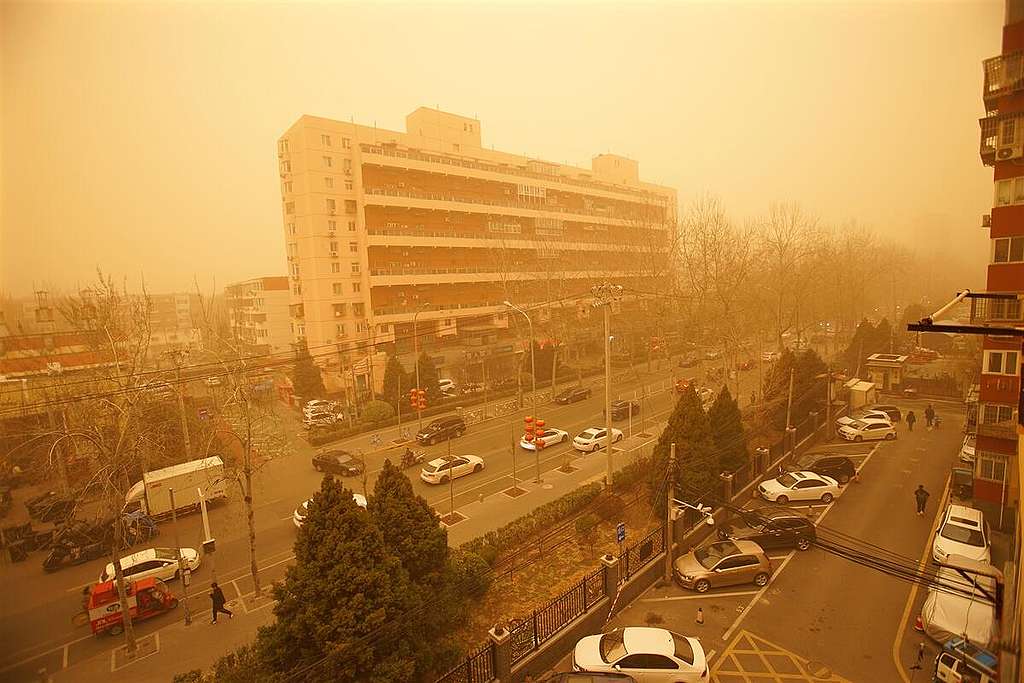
column 922, row 497
column 929, row 415
column 911, row 419
column 217, row 597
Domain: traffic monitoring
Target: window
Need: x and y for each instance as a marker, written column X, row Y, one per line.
column 1008, row 250
column 339, row 310
column 358, row 310
column 288, row 186
column 353, row 247
column 1004, row 309
column 348, row 184
column 346, row 165
column 1018, row 190
column 355, row 267
column 286, row 167
column 335, row 267
column 334, row 246
column 1000, row 363
column 356, row 287
column 325, row 140
column 350, row 206
column 1006, row 135
column 991, row 467
column 328, row 162
column 1003, row 194
column 351, row 226
column 339, row 329
column 282, row 147
column 328, row 182
column 289, row 207
column 291, row 229
column 337, row 289
column 332, row 225
column 297, row 289
column 346, row 143
column 331, row 206
column 994, row 413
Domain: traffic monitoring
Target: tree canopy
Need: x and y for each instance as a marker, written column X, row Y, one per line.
column 396, row 380
column 808, row 386
column 697, row 461
column 727, row 431
column 428, row 377
column 306, row 378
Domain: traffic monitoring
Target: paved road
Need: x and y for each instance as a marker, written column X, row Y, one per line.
column 38, row 607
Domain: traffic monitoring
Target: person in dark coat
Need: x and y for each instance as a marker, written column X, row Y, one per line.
column 929, row 415
column 921, row 496
column 217, row 597
column 911, row 419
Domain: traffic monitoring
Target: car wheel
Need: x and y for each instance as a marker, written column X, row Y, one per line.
column 618, row 439
column 858, row 438
column 826, row 498
column 803, row 543
column 172, row 603
column 782, row 500
column 477, row 467
column 761, row 579
column 116, row 629
column 432, row 441
column 890, row 436
column 702, row 586
column 843, row 479
column 444, row 479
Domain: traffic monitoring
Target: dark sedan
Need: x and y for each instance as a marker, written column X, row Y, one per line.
column 573, row 395
column 337, row 462
column 771, row 528
column 623, row 409
column 834, row 465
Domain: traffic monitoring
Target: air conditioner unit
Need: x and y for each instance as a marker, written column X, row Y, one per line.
column 986, row 220
column 1010, row 152
column 334, row 254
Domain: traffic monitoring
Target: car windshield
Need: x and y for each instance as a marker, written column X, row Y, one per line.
column 805, row 461
column 588, row 434
column 342, row 458
column 166, row 554
column 857, row 424
column 612, row 646
column 684, row 650
column 431, row 468
column 960, row 534
column 787, row 480
column 709, row 556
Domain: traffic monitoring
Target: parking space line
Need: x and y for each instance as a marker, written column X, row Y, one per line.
column 750, row 605
column 234, row 582
column 64, row 659
column 697, row 596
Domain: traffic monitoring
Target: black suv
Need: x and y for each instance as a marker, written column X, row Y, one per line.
column 337, row 462
column 572, row 395
column 441, row 429
column 834, row 465
column 894, row 413
column 771, row 528
column 623, row 409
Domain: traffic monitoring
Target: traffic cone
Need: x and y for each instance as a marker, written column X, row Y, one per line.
column 918, row 624
column 700, row 615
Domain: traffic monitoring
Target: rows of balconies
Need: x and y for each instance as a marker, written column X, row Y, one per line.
column 425, row 276
column 456, row 238
column 1003, row 75
column 998, row 430
column 649, row 197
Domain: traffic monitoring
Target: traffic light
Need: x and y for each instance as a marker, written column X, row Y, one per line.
column 529, row 429
column 421, row 397
column 540, row 430
column 413, row 399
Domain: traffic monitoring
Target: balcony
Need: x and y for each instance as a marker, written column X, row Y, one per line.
column 996, row 307
column 455, row 238
column 998, row 430
column 1004, row 75
column 1002, row 138
column 297, row 311
column 487, row 273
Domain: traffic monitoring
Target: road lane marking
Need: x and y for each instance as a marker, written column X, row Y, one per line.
column 64, row 659
column 897, row 644
column 697, row 596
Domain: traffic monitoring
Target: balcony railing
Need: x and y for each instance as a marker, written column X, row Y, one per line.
column 1002, row 137
column 649, row 197
column 528, row 241
column 297, row 311
column 1003, row 75
column 998, row 430
column 409, row 310
column 985, row 310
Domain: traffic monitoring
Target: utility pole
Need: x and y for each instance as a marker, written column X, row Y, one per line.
column 451, row 483
column 604, row 295
column 181, row 561
column 177, row 355
column 515, row 482
column 668, row 511
column 828, row 404
column 416, row 360
column 789, row 411
column 533, row 372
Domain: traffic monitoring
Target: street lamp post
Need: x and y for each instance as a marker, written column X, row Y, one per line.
column 416, row 359
column 533, row 371
column 604, row 295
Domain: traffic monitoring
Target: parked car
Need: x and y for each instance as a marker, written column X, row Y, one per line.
column 967, row 449
column 862, row 414
column 799, row 486
column 770, row 528
column 319, row 420
column 712, row 354
column 723, row 563
column 470, row 388
column 587, row 677
column 834, row 465
column 590, row 440
column 573, row 395
column 651, row 655
column 550, row 435
column 337, row 462
column 963, row 532
column 446, row 386
column 318, row 406
column 745, row 364
column 868, row 430
column 623, row 409
column 51, row 506
column 442, row 429
column 212, row 381
column 301, row 512
column 441, row 470
column 894, row 412
column 159, row 563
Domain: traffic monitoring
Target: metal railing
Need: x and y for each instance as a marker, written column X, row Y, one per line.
column 636, row 556
column 478, row 667
column 618, row 242
column 530, row 633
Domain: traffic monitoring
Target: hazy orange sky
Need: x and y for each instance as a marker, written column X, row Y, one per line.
column 140, row 137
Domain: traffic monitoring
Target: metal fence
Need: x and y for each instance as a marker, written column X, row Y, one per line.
column 640, row 553
column 478, row 667
column 530, row 633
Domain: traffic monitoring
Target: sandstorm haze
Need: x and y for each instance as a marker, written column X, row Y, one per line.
column 140, row 138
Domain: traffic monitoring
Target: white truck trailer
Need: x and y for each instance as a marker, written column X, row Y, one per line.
column 151, row 495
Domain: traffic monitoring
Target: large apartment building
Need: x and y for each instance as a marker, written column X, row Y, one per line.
column 258, row 314
column 383, row 227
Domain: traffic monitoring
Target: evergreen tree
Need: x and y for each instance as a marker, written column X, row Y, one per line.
column 396, row 381
column 306, row 378
column 344, row 585
column 727, row 431
column 428, row 378
column 808, row 387
column 697, row 465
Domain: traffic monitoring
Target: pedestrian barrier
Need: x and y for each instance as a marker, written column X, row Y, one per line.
column 636, row 556
column 478, row 667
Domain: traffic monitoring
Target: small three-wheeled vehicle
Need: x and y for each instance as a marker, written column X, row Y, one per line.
column 146, row 598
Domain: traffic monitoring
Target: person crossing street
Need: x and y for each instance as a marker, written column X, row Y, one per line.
column 929, row 415
column 911, row 419
column 921, row 496
column 218, row 599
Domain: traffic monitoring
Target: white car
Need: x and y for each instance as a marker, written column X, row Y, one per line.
column 446, row 386
column 299, row 516
column 317, row 406
column 862, row 415
column 160, row 563
column 868, row 430
column 799, row 486
column 590, row 440
column 963, row 532
column 319, row 419
column 649, row 655
column 967, row 449
column 550, row 435
column 212, row 381
column 449, row 467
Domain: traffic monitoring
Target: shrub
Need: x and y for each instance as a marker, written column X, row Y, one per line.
column 470, row 572
column 607, row 506
column 377, row 411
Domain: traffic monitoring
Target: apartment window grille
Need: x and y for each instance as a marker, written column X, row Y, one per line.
column 286, row 166
column 995, row 413
column 348, row 184
column 332, row 225
column 288, row 186
column 357, row 287
column 339, row 310
column 351, row 226
column 282, row 147
column 358, row 309
column 991, row 467
column 339, row 329
column 332, row 206
column 346, row 143
column 291, row 229
column 1006, row 133
column 353, row 247
column 355, row 267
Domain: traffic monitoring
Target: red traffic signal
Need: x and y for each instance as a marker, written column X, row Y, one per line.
column 540, row 443
column 413, row 399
